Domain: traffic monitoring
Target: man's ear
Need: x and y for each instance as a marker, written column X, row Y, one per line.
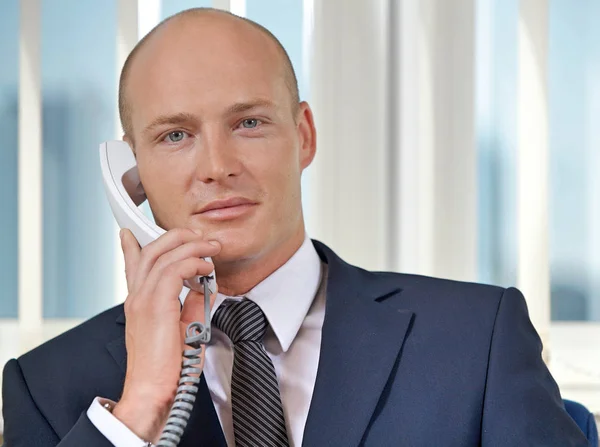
column 307, row 134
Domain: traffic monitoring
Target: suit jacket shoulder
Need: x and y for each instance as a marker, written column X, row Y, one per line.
column 413, row 360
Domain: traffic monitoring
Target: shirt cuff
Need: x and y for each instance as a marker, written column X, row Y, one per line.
column 112, row 428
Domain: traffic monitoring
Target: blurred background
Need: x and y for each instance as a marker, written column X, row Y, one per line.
column 456, row 138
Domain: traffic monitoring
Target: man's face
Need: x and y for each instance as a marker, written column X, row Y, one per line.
column 214, row 127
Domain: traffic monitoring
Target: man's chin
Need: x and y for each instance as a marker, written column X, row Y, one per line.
column 235, row 246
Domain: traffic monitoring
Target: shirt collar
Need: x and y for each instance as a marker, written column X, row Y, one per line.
column 286, row 295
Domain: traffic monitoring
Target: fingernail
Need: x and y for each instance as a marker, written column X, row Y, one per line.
column 197, row 231
column 215, row 243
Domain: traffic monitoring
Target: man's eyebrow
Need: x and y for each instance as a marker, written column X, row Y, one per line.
column 178, row 118
column 245, row 106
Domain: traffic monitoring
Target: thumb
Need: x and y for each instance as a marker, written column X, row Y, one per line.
column 132, row 253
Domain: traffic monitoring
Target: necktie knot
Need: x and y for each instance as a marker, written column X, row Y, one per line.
column 241, row 320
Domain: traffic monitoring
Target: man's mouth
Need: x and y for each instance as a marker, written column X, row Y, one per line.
column 229, row 208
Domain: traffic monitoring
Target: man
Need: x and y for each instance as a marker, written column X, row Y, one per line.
column 343, row 357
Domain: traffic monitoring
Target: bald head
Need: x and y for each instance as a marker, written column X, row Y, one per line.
column 219, row 20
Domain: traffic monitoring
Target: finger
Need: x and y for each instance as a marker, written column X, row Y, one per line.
column 165, row 294
column 195, row 249
column 166, row 242
column 131, row 252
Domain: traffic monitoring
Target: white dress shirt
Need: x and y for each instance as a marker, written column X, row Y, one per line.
column 293, row 340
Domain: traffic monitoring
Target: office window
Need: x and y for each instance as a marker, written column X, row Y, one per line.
column 9, row 92
column 574, row 189
column 574, row 95
column 78, row 51
column 496, row 93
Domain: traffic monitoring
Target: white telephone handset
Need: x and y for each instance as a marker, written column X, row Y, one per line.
column 125, row 193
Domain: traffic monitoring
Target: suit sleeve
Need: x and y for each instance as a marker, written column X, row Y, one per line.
column 522, row 404
column 26, row 426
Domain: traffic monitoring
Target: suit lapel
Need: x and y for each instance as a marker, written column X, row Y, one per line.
column 203, row 427
column 363, row 333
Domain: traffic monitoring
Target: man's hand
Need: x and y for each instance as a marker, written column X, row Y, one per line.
column 155, row 325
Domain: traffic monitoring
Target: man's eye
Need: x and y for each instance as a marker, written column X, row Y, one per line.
column 175, row 136
column 250, row 123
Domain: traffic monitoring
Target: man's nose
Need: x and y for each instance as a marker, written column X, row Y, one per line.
column 216, row 157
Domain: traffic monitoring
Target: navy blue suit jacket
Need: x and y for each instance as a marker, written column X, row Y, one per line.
column 405, row 360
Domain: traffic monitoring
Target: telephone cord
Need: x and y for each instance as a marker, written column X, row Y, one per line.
column 197, row 334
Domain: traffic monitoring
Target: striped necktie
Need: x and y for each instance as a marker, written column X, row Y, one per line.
column 256, row 404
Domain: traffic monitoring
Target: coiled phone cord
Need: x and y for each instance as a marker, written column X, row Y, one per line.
column 197, row 334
